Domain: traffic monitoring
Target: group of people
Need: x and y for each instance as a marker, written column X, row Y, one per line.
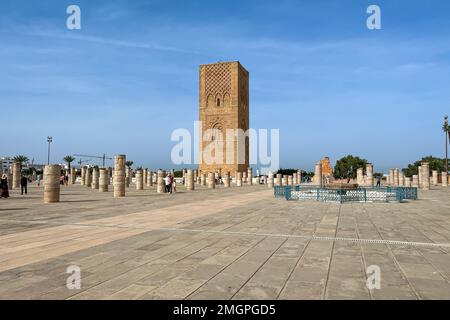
column 170, row 184
column 64, row 180
column 4, row 186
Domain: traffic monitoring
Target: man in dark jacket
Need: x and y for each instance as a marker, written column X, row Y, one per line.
column 23, row 184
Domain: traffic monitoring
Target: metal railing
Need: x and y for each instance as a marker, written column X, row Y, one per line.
column 360, row 194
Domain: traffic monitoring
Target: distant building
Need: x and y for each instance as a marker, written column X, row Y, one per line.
column 6, row 163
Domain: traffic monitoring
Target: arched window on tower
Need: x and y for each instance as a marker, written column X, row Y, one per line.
column 218, row 102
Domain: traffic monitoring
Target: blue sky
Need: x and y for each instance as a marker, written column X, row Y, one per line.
column 129, row 77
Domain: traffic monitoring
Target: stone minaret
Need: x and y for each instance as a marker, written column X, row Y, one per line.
column 224, row 104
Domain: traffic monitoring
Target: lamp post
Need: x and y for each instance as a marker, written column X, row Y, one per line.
column 447, row 134
column 49, row 140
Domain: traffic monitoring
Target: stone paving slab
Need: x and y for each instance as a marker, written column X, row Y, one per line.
column 236, row 243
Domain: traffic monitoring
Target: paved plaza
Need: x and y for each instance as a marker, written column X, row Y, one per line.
column 236, row 243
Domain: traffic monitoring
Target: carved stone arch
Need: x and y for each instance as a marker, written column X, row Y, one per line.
column 218, row 125
column 210, row 101
column 219, row 100
column 226, row 100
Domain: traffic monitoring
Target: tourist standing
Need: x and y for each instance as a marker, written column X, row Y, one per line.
column 174, row 185
column 38, row 179
column 378, row 181
column 23, row 185
column 167, row 183
column 4, row 187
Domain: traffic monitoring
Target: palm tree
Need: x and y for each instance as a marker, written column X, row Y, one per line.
column 69, row 160
column 20, row 159
column 446, row 129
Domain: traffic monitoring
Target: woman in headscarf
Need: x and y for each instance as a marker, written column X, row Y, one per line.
column 4, row 191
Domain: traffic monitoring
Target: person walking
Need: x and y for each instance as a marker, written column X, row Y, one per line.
column 24, row 184
column 4, row 190
column 38, row 179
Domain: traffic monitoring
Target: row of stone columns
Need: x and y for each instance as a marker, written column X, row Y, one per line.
column 421, row 180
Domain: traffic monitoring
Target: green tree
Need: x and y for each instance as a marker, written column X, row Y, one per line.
column 347, row 166
column 69, row 160
column 435, row 164
column 20, row 159
column 287, row 172
column 129, row 163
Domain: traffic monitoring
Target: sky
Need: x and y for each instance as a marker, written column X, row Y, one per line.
column 129, row 77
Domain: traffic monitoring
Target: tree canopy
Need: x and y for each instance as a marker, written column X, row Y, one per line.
column 347, row 166
column 435, row 164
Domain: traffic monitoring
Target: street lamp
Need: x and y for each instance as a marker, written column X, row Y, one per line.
column 49, row 140
column 447, row 134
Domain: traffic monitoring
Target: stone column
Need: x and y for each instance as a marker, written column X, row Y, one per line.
column 369, row 175
column 444, row 177
column 83, row 175
column 435, row 178
column 270, row 180
column 51, row 183
column 299, row 177
column 284, row 180
column 226, row 179
column 257, row 180
column 203, row 179
column 294, row 178
column 95, row 178
column 401, row 178
column 278, row 180
column 211, row 180
column 290, row 181
column 238, row 179
column 160, row 186
column 189, row 180
column 396, row 178
column 318, row 174
column 16, row 175
column 88, row 180
column 128, row 176
column 144, row 178
column 73, row 176
column 425, row 175
column 244, row 177
column 415, row 181
column 120, row 176
column 103, row 180
column 139, row 179
column 419, row 174
column 250, row 176
column 360, row 176
column 407, row 182
column 195, row 176
column 149, row 181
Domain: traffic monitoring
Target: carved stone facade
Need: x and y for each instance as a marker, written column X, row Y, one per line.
column 224, row 105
